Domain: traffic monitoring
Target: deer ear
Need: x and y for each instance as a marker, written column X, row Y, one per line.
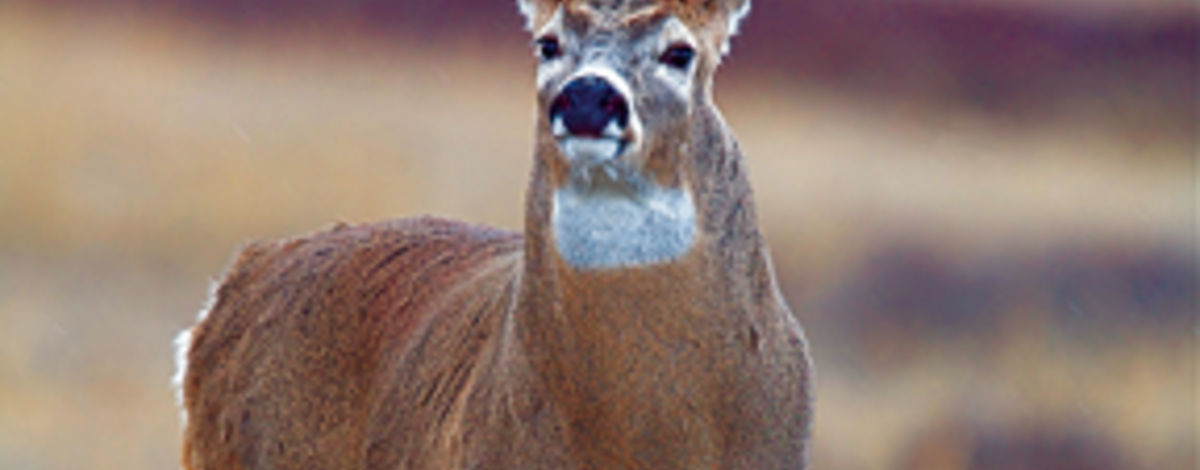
column 739, row 10
column 529, row 9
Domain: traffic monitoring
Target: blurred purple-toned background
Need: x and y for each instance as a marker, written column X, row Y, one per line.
column 983, row 211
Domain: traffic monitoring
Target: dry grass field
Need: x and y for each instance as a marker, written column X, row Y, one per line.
column 981, row 292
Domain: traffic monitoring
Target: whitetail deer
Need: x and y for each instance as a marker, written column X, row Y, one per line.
column 636, row 324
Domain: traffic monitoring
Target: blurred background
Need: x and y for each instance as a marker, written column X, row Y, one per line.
column 983, row 211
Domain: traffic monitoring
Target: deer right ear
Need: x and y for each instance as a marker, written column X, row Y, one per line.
column 529, row 9
column 740, row 10
column 735, row 13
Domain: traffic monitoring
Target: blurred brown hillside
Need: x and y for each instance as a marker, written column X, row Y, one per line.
column 1132, row 62
column 984, row 212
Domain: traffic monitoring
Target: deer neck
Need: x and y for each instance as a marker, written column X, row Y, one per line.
column 633, row 342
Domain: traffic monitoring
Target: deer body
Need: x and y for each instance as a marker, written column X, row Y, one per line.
column 635, row 324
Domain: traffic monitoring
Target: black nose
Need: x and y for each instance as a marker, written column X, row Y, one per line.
column 587, row 105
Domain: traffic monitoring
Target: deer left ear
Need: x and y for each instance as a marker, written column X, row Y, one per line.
column 531, row 9
column 738, row 9
column 528, row 9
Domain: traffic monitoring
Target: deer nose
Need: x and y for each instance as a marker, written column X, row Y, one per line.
column 587, row 105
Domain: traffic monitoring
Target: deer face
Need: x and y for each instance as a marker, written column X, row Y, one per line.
column 618, row 82
column 619, row 85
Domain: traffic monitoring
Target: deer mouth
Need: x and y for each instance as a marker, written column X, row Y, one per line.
column 583, row 151
column 588, row 152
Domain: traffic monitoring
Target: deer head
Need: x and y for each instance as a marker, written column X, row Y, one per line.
column 624, row 94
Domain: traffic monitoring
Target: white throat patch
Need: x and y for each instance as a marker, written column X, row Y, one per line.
column 606, row 228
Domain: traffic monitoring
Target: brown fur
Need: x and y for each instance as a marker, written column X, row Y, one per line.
column 704, row 16
column 695, row 12
column 430, row 344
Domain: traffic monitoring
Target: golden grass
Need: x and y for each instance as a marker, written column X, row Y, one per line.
column 137, row 153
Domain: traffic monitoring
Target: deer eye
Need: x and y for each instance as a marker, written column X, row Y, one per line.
column 548, row 48
column 678, row 55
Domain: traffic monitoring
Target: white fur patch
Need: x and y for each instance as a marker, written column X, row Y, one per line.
column 183, row 345
column 734, row 24
column 529, row 11
column 583, row 153
column 735, row 19
column 610, row 228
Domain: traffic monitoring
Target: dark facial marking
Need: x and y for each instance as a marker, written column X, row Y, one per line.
column 549, row 48
column 678, row 56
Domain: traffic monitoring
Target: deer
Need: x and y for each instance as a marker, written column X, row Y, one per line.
column 635, row 323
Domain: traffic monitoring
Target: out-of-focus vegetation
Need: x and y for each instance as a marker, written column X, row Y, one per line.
column 983, row 212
